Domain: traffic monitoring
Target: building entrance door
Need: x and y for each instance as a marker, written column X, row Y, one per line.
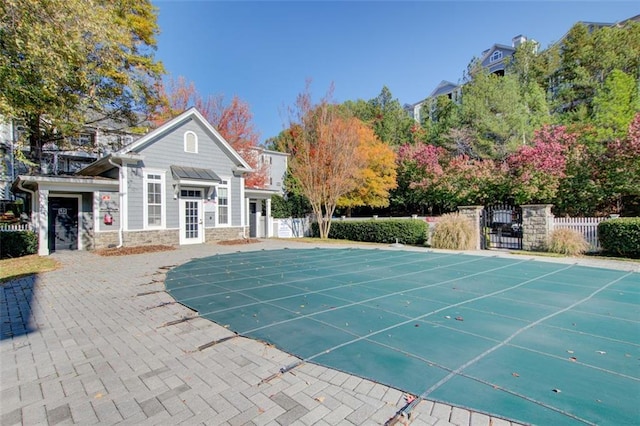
column 63, row 223
column 191, row 218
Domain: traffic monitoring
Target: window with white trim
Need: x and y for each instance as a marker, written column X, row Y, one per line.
column 81, row 139
column 495, row 56
column 190, row 142
column 223, row 203
column 154, row 199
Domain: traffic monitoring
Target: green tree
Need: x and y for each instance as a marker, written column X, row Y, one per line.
column 386, row 116
column 615, row 104
column 587, row 57
column 533, row 66
column 391, row 122
column 573, row 85
column 493, row 109
column 361, row 109
column 65, row 62
column 445, row 117
column 293, row 204
column 531, row 71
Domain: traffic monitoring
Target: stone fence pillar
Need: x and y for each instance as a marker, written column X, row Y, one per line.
column 537, row 224
column 473, row 213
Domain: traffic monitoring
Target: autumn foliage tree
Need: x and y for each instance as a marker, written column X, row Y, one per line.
column 536, row 171
column 445, row 180
column 377, row 177
column 233, row 120
column 326, row 161
column 67, row 63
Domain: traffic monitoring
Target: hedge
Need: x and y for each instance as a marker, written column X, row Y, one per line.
column 18, row 243
column 620, row 237
column 406, row 231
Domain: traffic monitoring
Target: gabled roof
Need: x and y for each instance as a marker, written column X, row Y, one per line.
column 597, row 25
column 191, row 113
column 263, row 150
column 131, row 152
column 495, row 47
column 444, row 88
column 626, row 21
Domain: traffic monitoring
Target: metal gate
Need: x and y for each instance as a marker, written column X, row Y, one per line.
column 501, row 227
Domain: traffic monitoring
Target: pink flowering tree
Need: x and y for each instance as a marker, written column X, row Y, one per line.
column 474, row 182
column 536, row 171
column 438, row 178
column 419, row 171
column 601, row 176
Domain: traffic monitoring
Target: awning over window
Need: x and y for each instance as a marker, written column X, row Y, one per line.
column 193, row 173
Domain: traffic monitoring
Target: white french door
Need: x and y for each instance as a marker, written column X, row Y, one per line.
column 191, row 221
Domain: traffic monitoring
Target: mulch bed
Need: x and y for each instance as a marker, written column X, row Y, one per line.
column 238, row 242
column 125, row 251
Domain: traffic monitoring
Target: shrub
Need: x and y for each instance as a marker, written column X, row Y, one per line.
column 17, row 244
column 454, row 232
column 292, row 206
column 412, row 232
column 620, row 237
column 567, row 241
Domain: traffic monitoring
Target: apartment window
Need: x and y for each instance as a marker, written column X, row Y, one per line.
column 154, row 199
column 190, row 142
column 82, row 139
column 495, row 56
column 223, row 203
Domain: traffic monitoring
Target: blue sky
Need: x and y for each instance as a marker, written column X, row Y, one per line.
column 265, row 51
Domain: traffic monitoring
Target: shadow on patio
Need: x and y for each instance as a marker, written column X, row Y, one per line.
column 15, row 307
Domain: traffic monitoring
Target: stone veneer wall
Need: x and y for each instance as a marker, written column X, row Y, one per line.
column 167, row 237
column 103, row 240
column 223, row 234
column 537, row 224
column 162, row 237
column 473, row 213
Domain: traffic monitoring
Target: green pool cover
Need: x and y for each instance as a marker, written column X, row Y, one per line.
column 532, row 341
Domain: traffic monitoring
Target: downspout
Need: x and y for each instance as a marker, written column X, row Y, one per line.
column 33, row 199
column 121, row 194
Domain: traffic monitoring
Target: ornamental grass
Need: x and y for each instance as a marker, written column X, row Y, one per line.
column 454, row 232
column 568, row 242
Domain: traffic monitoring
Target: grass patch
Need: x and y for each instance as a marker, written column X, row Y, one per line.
column 585, row 255
column 26, row 265
column 536, row 253
column 609, row 257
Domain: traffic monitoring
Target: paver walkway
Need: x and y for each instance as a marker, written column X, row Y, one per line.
column 92, row 343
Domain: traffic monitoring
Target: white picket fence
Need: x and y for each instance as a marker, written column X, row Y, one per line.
column 588, row 226
column 13, row 227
